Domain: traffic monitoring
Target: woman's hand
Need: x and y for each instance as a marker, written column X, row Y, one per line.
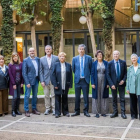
column 56, row 87
column 21, row 85
column 14, row 87
column 93, row 86
column 127, row 91
column 107, row 86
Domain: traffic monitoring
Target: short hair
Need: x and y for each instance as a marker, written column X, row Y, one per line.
column 48, row 46
column 134, row 55
column 61, row 53
column 116, row 51
column 99, row 51
column 31, row 48
column 1, row 57
column 13, row 55
column 82, row 45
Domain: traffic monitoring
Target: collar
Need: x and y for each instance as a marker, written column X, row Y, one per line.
column 49, row 57
column 82, row 56
column 32, row 58
column 116, row 61
column 2, row 67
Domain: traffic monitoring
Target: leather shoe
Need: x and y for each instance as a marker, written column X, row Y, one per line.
column 104, row 115
column 67, row 115
column 123, row 116
column 36, row 112
column 86, row 114
column 13, row 113
column 75, row 114
column 18, row 113
column 114, row 115
column 97, row 116
column 56, row 116
column 27, row 114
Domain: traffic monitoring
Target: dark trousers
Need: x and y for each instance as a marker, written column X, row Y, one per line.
column 16, row 98
column 64, row 98
column 122, row 98
column 134, row 102
column 84, row 86
column 3, row 101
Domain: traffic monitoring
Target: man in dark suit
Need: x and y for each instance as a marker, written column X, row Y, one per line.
column 117, row 74
column 81, row 66
column 30, row 72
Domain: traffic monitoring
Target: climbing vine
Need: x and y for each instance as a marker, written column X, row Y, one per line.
column 108, row 18
column 56, row 22
column 7, row 29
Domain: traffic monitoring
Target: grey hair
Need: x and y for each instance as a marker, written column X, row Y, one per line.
column 82, row 45
column 134, row 55
column 116, row 51
column 48, row 46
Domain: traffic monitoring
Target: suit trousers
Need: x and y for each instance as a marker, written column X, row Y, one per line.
column 64, row 98
column 122, row 98
column 84, row 86
column 49, row 90
column 3, row 101
column 134, row 102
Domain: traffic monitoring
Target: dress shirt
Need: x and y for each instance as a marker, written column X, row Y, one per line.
column 63, row 75
column 3, row 69
column 49, row 60
column 115, row 62
column 80, row 64
column 35, row 65
column 135, row 69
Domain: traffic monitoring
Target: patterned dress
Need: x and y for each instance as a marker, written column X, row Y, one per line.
column 100, row 105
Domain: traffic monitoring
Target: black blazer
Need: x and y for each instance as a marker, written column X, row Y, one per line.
column 56, row 78
column 111, row 74
column 4, row 79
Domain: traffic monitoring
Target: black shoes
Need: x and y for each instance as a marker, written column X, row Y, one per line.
column 123, row 116
column 86, row 114
column 97, row 116
column 104, row 115
column 18, row 113
column 56, row 116
column 75, row 114
column 114, row 115
column 67, row 115
column 13, row 113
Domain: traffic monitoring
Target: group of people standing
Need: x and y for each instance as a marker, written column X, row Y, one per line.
column 55, row 76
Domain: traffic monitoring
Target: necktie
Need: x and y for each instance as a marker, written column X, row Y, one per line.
column 118, row 71
column 82, row 68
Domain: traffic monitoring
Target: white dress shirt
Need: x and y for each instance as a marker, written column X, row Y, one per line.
column 35, row 65
column 63, row 75
column 135, row 69
column 3, row 69
column 49, row 60
column 80, row 64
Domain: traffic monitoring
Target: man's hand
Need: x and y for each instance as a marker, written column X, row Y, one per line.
column 127, row 91
column 93, row 86
column 14, row 87
column 28, row 86
column 107, row 86
column 113, row 87
column 121, row 82
column 43, row 84
column 56, row 87
column 21, row 85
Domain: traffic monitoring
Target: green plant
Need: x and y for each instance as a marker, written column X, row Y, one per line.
column 108, row 18
column 56, row 22
column 7, row 29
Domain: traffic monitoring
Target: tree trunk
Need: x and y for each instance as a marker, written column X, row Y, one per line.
column 91, row 32
column 61, row 49
column 33, row 35
column 14, row 32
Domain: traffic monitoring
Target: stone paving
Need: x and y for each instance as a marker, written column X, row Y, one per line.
column 68, row 128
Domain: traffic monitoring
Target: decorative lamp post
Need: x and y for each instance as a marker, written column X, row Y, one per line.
column 82, row 20
column 136, row 18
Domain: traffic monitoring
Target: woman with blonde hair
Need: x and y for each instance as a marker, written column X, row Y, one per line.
column 62, row 81
column 4, row 79
column 16, row 82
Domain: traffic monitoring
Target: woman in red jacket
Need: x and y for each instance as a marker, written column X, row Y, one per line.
column 16, row 82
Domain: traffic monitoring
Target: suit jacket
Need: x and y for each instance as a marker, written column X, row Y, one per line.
column 4, row 79
column 12, row 75
column 133, row 80
column 45, row 71
column 94, row 80
column 87, row 68
column 56, row 78
column 111, row 75
column 29, row 72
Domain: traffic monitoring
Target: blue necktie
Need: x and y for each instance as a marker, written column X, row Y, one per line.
column 118, row 72
column 82, row 68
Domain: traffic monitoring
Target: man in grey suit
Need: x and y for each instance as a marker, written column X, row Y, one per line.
column 46, row 66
